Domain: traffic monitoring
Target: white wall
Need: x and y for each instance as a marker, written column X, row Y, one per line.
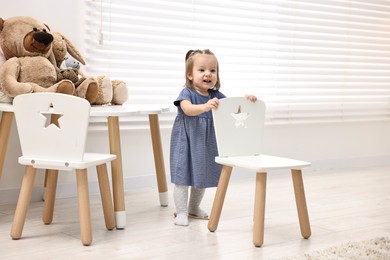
column 326, row 145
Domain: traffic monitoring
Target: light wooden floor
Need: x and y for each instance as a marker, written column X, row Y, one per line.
column 344, row 205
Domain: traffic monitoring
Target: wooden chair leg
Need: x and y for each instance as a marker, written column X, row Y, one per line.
column 300, row 200
column 23, row 202
column 259, row 211
column 219, row 198
column 105, row 194
column 84, row 208
column 44, row 185
column 51, row 178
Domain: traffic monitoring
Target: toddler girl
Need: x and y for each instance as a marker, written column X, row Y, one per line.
column 193, row 143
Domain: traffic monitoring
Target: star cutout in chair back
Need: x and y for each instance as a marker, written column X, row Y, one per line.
column 51, row 117
column 240, row 117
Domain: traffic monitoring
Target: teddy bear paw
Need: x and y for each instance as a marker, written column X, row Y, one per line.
column 66, row 87
column 120, row 92
column 92, row 92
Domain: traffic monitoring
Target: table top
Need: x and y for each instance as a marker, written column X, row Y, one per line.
column 115, row 110
column 6, row 107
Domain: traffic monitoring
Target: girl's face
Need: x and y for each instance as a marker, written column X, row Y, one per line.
column 204, row 74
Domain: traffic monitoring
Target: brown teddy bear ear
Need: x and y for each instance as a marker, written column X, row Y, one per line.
column 72, row 50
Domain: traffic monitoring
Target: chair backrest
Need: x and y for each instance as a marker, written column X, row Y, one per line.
column 238, row 125
column 62, row 140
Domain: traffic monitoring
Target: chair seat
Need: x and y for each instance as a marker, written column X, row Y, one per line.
column 261, row 162
column 89, row 160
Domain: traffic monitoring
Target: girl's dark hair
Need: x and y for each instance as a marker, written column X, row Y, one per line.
column 190, row 64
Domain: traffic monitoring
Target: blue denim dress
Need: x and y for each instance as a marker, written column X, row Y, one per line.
column 193, row 144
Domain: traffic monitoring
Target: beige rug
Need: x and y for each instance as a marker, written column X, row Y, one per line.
column 373, row 249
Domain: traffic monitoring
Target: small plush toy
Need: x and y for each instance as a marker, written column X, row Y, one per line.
column 72, row 63
column 91, row 93
column 113, row 92
column 72, row 74
column 30, row 64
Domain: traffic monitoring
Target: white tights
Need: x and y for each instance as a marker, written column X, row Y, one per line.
column 180, row 196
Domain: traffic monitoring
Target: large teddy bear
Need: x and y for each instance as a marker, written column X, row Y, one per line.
column 26, row 46
column 31, row 66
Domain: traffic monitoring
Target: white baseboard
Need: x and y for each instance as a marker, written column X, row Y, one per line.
column 10, row 196
column 353, row 162
column 134, row 182
column 67, row 190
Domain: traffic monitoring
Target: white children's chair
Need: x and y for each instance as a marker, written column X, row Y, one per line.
column 239, row 127
column 53, row 129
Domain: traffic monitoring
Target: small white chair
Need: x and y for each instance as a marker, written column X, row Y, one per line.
column 52, row 130
column 239, row 127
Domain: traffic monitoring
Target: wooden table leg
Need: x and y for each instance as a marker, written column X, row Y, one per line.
column 219, row 198
column 105, row 195
column 5, row 130
column 259, row 212
column 300, row 200
column 159, row 159
column 117, row 172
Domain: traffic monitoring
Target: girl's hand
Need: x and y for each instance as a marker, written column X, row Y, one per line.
column 212, row 104
column 252, row 98
column 193, row 110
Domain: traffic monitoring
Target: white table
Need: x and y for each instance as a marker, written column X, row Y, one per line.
column 112, row 113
